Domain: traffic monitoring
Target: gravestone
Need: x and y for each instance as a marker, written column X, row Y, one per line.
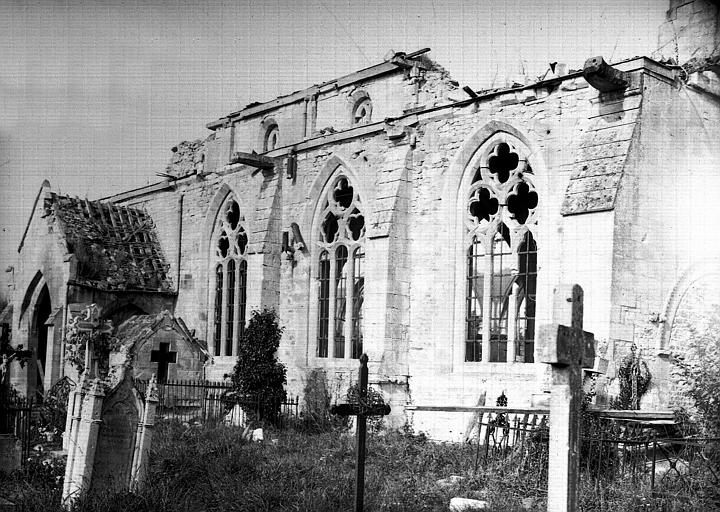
column 568, row 349
column 120, row 416
column 362, row 410
column 110, row 426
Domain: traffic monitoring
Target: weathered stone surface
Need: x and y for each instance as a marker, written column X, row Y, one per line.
column 450, row 481
column 467, row 505
column 116, row 439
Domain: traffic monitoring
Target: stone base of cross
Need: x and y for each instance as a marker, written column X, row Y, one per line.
column 568, row 349
column 362, row 410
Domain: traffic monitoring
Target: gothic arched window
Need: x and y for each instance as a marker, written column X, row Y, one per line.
column 340, row 272
column 501, row 258
column 229, row 279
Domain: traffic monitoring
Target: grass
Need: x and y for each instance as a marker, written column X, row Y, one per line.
column 205, row 468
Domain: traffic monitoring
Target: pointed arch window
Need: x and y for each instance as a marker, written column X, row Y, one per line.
column 501, row 258
column 229, row 279
column 340, row 272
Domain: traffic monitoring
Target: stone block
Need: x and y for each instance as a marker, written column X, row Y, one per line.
column 10, row 452
column 467, row 505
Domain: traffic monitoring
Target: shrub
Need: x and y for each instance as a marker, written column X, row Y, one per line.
column 632, row 369
column 316, row 417
column 258, row 375
column 698, row 370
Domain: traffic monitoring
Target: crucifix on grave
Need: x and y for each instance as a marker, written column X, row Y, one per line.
column 362, row 408
column 162, row 357
column 88, row 322
column 568, row 349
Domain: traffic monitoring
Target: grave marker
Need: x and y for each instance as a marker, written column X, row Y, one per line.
column 362, row 410
column 568, row 349
column 162, row 357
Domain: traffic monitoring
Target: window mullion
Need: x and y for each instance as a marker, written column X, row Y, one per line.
column 487, row 291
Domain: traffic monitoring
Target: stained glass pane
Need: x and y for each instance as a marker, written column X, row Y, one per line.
column 358, row 299
column 217, row 322
column 230, row 307
column 323, row 304
column 474, row 299
column 341, row 256
column 500, row 290
column 526, row 301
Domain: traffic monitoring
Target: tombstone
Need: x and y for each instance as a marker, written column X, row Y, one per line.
column 120, row 415
column 361, row 410
column 568, row 349
column 110, row 426
column 110, row 438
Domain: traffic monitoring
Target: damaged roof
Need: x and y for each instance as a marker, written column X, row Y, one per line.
column 117, row 247
column 137, row 329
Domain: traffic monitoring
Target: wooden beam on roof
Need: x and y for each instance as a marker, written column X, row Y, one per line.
column 253, row 160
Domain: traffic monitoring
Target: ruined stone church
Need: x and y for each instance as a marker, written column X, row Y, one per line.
column 392, row 212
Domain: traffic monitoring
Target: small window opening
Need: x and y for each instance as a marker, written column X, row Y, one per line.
column 271, row 138
column 233, row 214
column 223, row 244
column 343, row 193
column 502, row 162
column 483, row 205
column 362, row 111
column 520, row 203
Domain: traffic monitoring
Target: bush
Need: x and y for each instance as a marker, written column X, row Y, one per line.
column 316, row 416
column 698, row 370
column 631, row 369
column 258, row 377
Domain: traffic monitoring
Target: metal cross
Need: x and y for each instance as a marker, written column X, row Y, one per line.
column 362, row 411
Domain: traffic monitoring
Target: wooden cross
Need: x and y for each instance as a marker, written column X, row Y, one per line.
column 362, row 411
column 162, row 357
column 568, row 350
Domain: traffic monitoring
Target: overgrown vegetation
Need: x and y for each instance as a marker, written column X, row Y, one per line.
column 698, row 371
column 634, row 377
column 215, row 468
column 317, row 397
column 258, row 375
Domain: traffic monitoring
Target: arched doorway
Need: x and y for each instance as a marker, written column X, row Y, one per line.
column 39, row 343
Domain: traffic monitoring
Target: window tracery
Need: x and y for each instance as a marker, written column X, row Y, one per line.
column 362, row 111
column 501, row 258
column 341, row 277
column 229, row 279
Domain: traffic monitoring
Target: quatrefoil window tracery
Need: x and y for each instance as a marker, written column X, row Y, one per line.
column 501, row 191
column 342, row 217
column 232, row 239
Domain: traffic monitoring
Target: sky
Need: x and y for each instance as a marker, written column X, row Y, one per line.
column 93, row 94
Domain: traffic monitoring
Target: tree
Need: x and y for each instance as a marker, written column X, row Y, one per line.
column 258, row 377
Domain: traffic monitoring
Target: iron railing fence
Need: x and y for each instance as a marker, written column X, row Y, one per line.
column 15, row 419
column 208, row 401
column 514, row 443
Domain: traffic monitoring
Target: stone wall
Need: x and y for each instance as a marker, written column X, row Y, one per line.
column 409, row 175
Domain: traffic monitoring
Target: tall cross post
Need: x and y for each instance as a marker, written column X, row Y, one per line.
column 568, row 349
column 362, row 410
